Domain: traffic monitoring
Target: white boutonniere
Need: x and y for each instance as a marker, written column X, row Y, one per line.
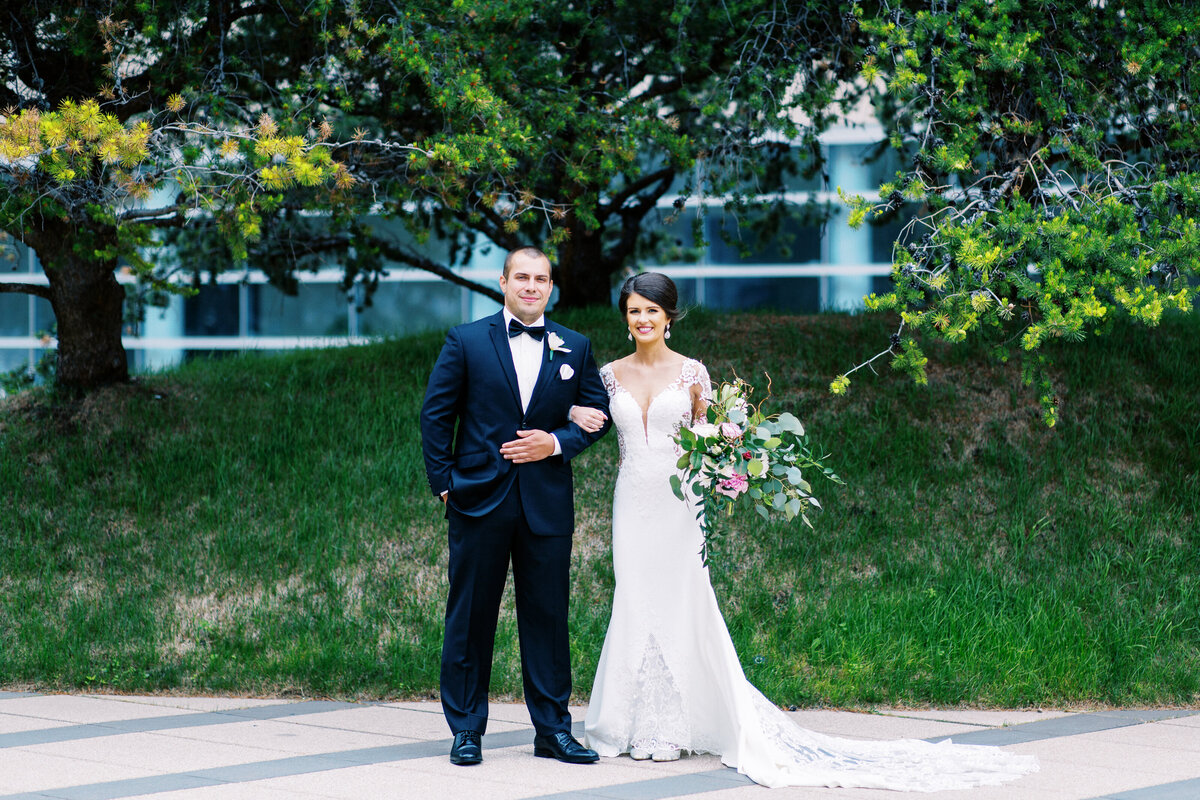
column 556, row 346
column 565, row 372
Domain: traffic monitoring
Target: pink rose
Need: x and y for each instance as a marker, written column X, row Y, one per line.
column 731, row 431
column 733, row 486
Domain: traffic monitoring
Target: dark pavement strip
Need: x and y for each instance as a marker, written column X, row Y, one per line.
column 1180, row 790
column 1072, row 725
column 92, row 730
column 264, row 770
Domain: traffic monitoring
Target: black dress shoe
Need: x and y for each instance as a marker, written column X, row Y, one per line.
column 563, row 746
column 466, row 749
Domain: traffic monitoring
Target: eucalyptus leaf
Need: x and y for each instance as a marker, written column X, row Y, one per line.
column 793, row 507
column 779, row 501
column 756, row 467
column 772, row 443
column 677, row 487
column 789, row 422
column 762, row 512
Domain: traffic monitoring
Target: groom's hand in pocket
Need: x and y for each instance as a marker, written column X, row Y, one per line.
column 529, row 446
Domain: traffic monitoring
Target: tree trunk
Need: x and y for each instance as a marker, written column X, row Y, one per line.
column 88, row 305
column 584, row 274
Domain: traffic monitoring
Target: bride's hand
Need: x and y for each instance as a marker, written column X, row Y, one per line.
column 590, row 419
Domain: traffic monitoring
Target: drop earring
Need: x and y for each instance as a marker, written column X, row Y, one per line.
column 629, row 336
column 667, row 333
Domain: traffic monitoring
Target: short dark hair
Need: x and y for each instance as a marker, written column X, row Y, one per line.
column 656, row 287
column 524, row 252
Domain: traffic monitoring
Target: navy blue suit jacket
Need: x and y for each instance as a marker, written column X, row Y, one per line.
column 473, row 405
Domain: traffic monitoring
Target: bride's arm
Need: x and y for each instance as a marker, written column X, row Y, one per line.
column 699, row 403
column 588, row 418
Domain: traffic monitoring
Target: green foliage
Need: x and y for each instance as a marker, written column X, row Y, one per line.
column 574, row 120
column 296, row 126
column 88, row 166
column 1055, row 168
column 1049, row 149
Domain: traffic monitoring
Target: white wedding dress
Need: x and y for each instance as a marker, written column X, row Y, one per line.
column 669, row 677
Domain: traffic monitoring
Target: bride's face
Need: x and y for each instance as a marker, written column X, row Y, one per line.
column 646, row 319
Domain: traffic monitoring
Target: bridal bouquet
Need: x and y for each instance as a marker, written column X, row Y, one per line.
column 740, row 455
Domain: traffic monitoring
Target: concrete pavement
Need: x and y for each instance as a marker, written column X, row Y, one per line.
column 110, row 747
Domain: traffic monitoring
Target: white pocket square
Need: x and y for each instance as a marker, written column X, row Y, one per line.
column 565, row 372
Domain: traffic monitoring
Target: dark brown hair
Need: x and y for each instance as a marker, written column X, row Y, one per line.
column 655, row 287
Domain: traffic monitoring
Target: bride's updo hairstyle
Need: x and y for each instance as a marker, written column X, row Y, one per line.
column 655, row 287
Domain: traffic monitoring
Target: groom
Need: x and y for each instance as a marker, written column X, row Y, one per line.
column 508, row 381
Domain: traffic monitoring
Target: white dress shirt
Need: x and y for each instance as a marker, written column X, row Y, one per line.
column 527, row 355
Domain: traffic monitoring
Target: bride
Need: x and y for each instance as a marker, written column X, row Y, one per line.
column 669, row 680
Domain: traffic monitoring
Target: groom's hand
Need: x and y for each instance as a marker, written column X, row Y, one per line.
column 530, row 446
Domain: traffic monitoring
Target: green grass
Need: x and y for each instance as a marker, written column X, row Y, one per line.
column 261, row 525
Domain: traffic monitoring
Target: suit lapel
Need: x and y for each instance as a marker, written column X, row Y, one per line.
column 546, row 373
column 504, row 354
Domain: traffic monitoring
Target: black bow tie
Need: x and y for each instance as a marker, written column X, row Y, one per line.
column 516, row 329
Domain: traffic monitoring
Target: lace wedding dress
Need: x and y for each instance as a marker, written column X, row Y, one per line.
column 669, row 677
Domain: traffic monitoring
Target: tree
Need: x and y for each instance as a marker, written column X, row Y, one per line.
column 1055, row 169
column 583, row 115
column 556, row 122
column 107, row 102
column 91, row 128
column 1053, row 147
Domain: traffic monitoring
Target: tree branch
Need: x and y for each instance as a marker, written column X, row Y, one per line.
column 631, row 218
column 394, row 253
column 618, row 200
column 152, row 214
column 36, row 289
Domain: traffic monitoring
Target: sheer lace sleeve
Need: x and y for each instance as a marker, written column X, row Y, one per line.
column 694, row 373
column 609, row 379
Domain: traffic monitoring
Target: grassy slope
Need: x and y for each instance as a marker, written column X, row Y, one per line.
column 261, row 525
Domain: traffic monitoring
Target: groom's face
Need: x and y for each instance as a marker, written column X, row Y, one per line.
column 527, row 287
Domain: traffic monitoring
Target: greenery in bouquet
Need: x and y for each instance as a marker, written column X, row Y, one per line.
column 739, row 455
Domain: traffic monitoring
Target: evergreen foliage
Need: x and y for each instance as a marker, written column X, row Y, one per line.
column 1054, row 163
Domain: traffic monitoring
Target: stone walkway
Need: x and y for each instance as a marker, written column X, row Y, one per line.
column 104, row 747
